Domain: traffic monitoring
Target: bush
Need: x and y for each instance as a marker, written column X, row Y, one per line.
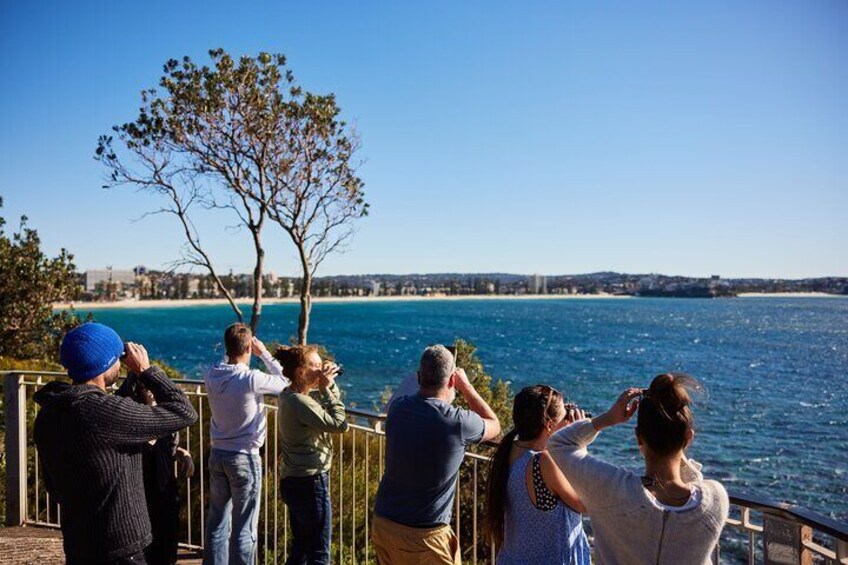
column 30, row 282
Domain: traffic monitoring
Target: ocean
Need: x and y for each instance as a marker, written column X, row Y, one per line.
column 774, row 422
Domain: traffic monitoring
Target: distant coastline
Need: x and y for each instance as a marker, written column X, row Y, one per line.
column 184, row 303
column 180, row 303
column 788, row 295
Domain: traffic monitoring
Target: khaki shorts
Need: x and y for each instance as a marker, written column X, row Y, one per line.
column 401, row 545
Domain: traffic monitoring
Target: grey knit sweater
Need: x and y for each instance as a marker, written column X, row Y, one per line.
column 90, row 445
column 630, row 528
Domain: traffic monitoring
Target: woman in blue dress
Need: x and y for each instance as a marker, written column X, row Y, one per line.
column 533, row 512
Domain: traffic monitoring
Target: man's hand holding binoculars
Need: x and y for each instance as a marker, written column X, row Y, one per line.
column 135, row 358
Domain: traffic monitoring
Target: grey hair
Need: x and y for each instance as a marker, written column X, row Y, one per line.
column 437, row 365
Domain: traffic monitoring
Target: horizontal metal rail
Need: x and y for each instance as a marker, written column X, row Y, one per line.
column 357, row 468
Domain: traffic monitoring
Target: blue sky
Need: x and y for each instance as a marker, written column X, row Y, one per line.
column 554, row 137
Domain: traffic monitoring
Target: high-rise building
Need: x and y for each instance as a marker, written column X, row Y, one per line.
column 537, row 284
column 107, row 276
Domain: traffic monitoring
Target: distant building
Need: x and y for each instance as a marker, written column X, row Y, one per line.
column 193, row 287
column 537, row 284
column 107, row 276
column 408, row 289
column 649, row 282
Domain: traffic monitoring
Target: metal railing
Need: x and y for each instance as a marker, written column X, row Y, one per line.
column 758, row 528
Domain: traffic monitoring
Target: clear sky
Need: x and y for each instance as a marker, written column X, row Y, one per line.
column 557, row 137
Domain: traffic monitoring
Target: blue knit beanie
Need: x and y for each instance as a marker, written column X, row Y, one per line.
column 90, row 349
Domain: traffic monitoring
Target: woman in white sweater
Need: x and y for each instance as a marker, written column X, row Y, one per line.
column 668, row 514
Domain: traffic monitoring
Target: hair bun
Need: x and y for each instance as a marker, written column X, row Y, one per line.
column 671, row 391
column 665, row 419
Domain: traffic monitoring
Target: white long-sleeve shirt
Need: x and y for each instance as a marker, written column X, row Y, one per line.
column 630, row 526
column 236, row 396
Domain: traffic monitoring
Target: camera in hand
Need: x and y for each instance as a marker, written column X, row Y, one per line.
column 585, row 412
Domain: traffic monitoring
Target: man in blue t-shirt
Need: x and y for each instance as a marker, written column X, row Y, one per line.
column 426, row 438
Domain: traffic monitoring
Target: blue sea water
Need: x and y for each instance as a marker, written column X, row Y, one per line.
column 775, row 420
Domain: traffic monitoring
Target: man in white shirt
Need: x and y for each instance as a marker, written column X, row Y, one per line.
column 236, row 394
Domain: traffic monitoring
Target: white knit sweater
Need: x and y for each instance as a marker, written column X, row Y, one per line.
column 629, row 528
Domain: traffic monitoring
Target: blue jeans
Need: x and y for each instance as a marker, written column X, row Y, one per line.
column 310, row 515
column 235, row 484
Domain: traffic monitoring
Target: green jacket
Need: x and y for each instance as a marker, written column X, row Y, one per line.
column 306, row 422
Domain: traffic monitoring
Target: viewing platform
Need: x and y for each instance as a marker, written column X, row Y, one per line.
column 759, row 529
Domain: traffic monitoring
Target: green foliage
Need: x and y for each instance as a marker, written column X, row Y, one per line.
column 12, row 364
column 172, row 372
column 496, row 393
column 30, row 282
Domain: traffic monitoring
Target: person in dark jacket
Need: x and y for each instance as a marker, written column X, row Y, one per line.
column 160, row 482
column 90, row 443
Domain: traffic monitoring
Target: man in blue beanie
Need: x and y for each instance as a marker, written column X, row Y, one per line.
column 90, row 444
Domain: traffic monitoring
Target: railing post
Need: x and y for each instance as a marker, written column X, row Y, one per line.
column 16, row 463
column 806, row 554
column 841, row 551
column 783, row 541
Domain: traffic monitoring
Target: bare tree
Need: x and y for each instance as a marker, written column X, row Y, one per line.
column 176, row 185
column 323, row 193
column 243, row 137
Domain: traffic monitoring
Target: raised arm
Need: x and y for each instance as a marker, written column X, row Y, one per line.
column 477, row 405
column 556, row 482
column 130, row 422
column 272, row 382
column 325, row 413
column 594, row 480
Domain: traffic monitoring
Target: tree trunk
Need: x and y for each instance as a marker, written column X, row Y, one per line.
column 305, row 308
column 305, row 293
column 257, row 284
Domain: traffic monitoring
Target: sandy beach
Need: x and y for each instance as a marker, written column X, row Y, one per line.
column 319, row 300
column 364, row 299
column 787, row 295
